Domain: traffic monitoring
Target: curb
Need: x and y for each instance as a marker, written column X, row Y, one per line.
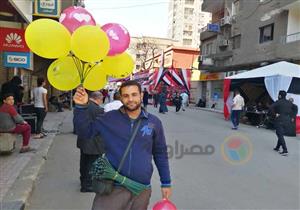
column 207, row 109
column 18, row 195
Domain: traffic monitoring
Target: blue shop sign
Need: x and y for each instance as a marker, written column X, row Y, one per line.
column 16, row 59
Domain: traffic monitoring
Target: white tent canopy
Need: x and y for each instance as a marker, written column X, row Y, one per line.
column 282, row 68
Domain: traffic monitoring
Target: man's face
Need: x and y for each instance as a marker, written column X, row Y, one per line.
column 9, row 100
column 131, row 98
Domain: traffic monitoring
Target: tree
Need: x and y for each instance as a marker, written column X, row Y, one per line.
column 145, row 48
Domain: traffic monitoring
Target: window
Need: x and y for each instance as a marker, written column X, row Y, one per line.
column 187, row 33
column 188, row 11
column 209, row 48
column 266, row 33
column 187, row 42
column 137, row 67
column 189, row 2
column 236, row 42
column 138, row 55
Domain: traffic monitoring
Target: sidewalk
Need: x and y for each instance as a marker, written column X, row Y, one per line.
column 18, row 172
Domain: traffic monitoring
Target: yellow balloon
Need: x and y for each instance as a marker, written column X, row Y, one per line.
column 48, row 38
column 90, row 43
column 96, row 79
column 63, row 75
column 118, row 66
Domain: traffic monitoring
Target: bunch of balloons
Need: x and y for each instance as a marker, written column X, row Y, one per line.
column 85, row 53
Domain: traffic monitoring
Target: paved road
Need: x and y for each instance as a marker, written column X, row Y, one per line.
column 260, row 179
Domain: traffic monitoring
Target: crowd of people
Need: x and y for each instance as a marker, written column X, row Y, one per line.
column 282, row 114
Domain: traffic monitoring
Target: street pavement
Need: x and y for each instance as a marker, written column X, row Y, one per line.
column 212, row 167
column 18, row 171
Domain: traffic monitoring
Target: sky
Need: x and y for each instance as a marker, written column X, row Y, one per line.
column 140, row 17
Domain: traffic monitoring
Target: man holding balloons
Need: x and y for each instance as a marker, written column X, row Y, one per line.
column 115, row 128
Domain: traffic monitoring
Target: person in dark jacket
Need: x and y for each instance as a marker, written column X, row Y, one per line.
column 90, row 149
column 145, row 98
column 115, row 128
column 292, row 128
column 177, row 100
column 283, row 110
column 163, row 102
column 13, row 87
column 155, row 99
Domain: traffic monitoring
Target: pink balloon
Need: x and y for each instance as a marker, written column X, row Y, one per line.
column 118, row 36
column 164, row 205
column 74, row 17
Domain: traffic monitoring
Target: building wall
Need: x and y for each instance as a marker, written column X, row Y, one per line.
column 247, row 23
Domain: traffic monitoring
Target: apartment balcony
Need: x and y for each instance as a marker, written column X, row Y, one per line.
column 222, row 55
column 212, row 5
column 289, row 47
column 209, row 31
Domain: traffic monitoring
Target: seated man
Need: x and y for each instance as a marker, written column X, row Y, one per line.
column 12, row 122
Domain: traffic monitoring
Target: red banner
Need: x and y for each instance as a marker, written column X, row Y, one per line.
column 13, row 40
column 226, row 89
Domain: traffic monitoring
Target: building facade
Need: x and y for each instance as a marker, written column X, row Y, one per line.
column 248, row 34
column 15, row 56
column 145, row 47
column 185, row 20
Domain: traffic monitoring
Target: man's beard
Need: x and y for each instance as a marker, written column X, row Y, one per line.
column 132, row 109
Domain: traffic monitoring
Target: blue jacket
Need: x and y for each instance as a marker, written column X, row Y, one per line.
column 115, row 127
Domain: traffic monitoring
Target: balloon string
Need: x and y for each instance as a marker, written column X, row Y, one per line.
column 88, row 70
column 78, row 67
column 81, row 66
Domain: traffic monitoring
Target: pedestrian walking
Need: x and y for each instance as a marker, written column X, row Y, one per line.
column 283, row 111
column 237, row 107
column 145, row 98
column 40, row 105
column 177, row 101
column 185, row 100
column 156, row 99
column 115, row 128
column 90, row 149
column 163, row 102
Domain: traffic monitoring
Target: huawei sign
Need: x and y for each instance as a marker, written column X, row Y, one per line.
column 12, row 40
column 13, row 37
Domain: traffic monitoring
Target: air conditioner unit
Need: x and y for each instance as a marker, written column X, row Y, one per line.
column 225, row 21
column 224, row 43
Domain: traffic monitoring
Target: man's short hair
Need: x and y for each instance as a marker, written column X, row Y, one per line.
column 6, row 95
column 96, row 95
column 131, row 83
column 40, row 81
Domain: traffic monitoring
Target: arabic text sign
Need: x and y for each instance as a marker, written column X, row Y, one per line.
column 12, row 40
column 16, row 59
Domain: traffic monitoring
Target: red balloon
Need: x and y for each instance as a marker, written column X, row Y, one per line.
column 73, row 17
column 164, row 205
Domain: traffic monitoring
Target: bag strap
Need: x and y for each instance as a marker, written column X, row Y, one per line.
column 129, row 144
